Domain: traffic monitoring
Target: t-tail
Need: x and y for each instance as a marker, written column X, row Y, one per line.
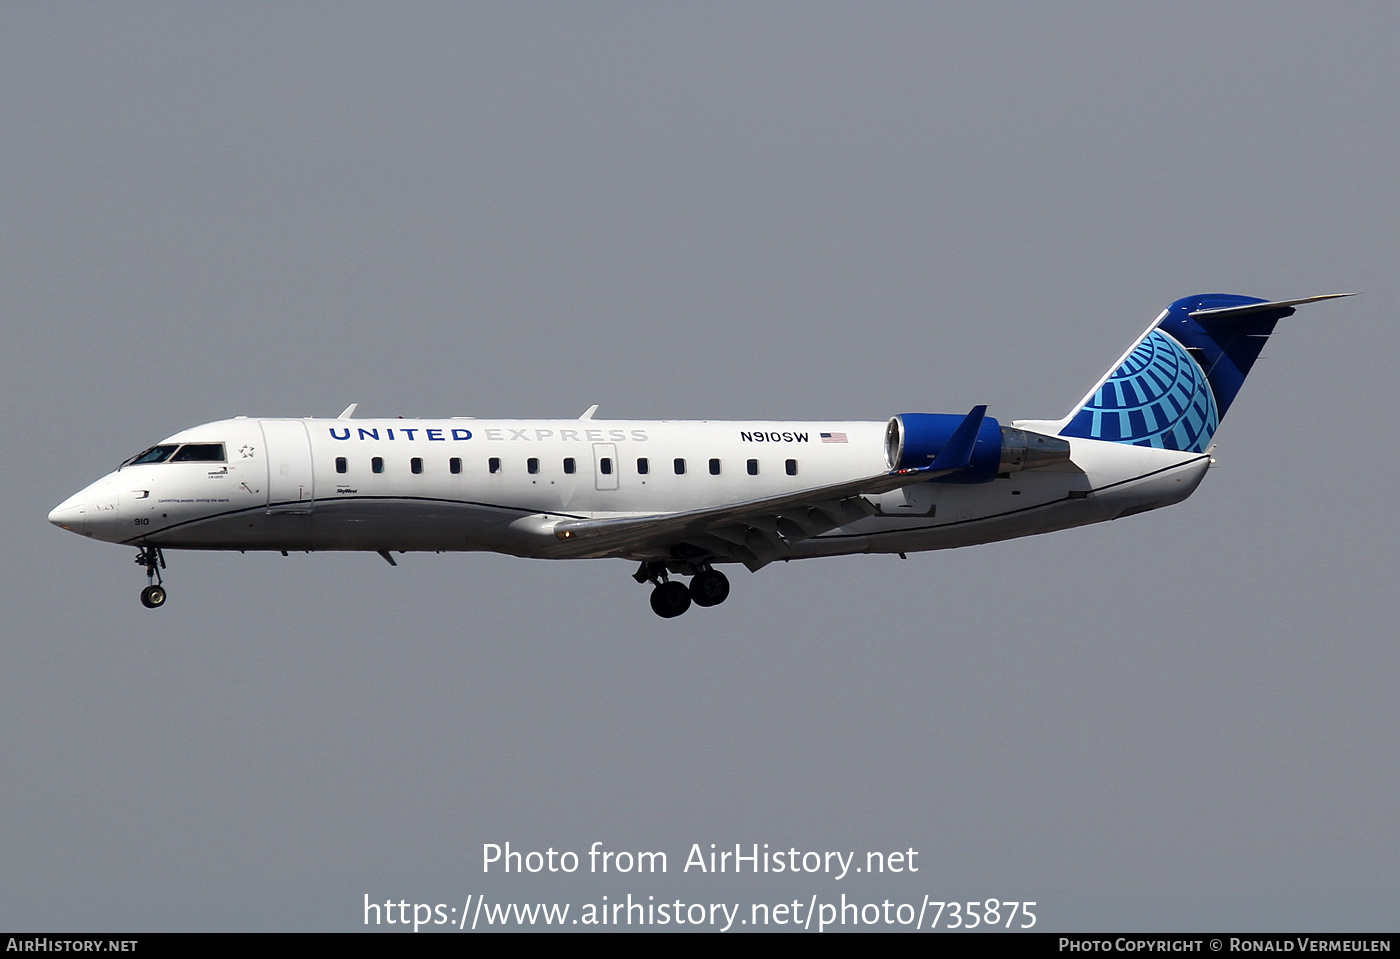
column 1174, row 385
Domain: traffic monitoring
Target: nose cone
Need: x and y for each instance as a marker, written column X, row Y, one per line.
column 67, row 512
column 89, row 512
column 74, row 514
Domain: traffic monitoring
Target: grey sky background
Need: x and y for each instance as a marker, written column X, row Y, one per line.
column 1185, row 720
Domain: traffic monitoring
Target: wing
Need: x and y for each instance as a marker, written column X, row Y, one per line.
column 758, row 531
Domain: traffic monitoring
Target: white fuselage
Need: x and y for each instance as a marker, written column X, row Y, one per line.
column 502, row 485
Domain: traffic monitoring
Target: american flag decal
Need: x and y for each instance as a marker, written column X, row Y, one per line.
column 833, row 437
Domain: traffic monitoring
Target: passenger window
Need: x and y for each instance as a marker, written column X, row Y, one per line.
column 199, row 453
column 532, row 466
column 494, row 464
column 714, row 467
column 416, row 464
column 605, row 466
column 753, row 467
column 340, row 465
column 377, row 464
column 680, row 467
column 642, row 466
column 792, row 467
column 569, row 465
column 454, row 465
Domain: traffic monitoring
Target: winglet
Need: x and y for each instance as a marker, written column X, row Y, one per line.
column 588, row 413
column 348, row 412
column 956, row 454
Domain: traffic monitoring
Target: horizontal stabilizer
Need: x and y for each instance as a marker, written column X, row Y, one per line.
column 1232, row 313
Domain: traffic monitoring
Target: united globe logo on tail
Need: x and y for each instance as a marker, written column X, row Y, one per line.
column 1158, row 397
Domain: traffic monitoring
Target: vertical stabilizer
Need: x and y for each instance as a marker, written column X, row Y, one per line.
column 1174, row 385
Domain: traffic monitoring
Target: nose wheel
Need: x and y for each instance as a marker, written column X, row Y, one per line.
column 153, row 596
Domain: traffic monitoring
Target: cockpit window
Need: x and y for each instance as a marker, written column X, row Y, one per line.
column 199, row 453
column 156, row 454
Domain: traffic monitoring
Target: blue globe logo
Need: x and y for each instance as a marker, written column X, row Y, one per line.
column 1158, row 397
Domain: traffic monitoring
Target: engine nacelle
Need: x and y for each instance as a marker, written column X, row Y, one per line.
column 912, row 440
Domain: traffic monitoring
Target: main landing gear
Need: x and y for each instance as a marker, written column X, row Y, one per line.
column 670, row 598
column 154, row 560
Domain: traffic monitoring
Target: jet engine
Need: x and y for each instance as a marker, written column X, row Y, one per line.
column 912, row 440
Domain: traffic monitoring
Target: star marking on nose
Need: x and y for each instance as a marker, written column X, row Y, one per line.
column 246, row 451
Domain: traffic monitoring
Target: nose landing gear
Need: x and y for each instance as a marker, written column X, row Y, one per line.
column 153, row 559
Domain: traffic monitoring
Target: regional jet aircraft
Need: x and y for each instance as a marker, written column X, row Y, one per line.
column 683, row 498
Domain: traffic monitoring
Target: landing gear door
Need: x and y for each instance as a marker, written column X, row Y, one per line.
column 605, row 466
column 289, row 474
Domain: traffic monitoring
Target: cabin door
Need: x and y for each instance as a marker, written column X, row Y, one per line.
column 289, row 474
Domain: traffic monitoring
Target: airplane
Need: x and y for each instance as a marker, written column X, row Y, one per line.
column 684, row 497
